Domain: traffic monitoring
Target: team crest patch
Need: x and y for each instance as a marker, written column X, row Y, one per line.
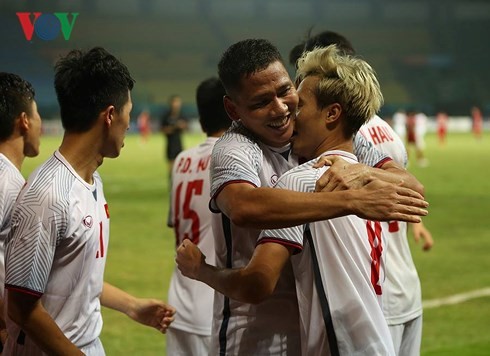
column 274, row 179
column 88, row 221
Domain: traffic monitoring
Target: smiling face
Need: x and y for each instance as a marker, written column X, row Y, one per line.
column 265, row 103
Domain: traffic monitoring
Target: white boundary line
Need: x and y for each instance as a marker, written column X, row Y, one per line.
column 456, row 298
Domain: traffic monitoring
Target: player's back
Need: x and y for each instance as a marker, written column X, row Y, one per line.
column 402, row 293
column 191, row 219
column 341, row 265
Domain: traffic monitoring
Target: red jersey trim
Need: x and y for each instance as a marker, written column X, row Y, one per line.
column 24, row 290
column 383, row 161
column 297, row 248
column 212, row 203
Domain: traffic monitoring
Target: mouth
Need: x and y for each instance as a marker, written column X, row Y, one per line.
column 280, row 124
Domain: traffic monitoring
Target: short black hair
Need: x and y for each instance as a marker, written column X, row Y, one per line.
column 16, row 96
column 212, row 113
column 245, row 58
column 322, row 39
column 86, row 83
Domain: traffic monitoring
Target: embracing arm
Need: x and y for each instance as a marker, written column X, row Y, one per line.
column 150, row 312
column 28, row 312
column 342, row 175
column 248, row 206
column 250, row 284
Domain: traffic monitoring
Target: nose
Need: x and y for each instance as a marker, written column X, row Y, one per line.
column 279, row 107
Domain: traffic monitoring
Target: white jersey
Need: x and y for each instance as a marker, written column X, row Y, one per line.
column 62, row 224
column 271, row 327
column 191, row 219
column 402, row 297
column 11, row 181
column 339, row 272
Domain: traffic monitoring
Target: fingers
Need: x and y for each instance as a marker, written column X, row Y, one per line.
column 407, row 192
column 324, row 161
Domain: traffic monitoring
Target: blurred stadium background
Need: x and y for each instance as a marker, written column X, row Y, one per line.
column 429, row 54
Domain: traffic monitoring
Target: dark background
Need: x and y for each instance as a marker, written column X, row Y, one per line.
column 431, row 55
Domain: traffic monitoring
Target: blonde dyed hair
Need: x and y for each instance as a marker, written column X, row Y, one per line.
column 343, row 79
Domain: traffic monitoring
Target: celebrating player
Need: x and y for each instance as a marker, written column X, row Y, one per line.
column 340, row 270
column 246, row 162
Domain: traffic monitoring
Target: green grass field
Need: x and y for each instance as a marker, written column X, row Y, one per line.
column 141, row 255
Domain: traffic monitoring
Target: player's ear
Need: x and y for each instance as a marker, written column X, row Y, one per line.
column 332, row 112
column 107, row 115
column 230, row 108
column 23, row 122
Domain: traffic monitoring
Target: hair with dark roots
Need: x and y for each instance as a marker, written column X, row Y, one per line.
column 212, row 113
column 88, row 82
column 16, row 96
column 343, row 79
column 245, row 58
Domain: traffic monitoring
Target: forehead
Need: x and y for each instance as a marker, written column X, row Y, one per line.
column 307, row 87
column 270, row 79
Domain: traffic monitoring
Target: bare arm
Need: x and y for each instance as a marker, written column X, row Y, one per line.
column 421, row 232
column 262, row 208
column 28, row 312
column 251, row 284
column 150, row 312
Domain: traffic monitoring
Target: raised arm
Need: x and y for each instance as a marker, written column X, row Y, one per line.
column 261, row 208
column 250, row 284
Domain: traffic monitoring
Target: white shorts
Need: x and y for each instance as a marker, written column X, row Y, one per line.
column 407, row 337
column 183, row 343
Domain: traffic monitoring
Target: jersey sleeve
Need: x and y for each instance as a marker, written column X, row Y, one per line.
column 368, row 154
column 235, row 159
column 299, row 179
column 32, row 241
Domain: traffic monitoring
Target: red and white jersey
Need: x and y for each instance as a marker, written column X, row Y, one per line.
column 378, row 132
column 11, row 181
column 402, row 297
column 271, row 327
column 62, row 224
column 367, row 154
column 191, row 219
column 342, row 265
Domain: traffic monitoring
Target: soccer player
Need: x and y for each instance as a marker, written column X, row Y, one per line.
column 339, row 271
column 61, row 221
column 20, row 130
column 190, row 216
column 402, row 299
column 245, row 164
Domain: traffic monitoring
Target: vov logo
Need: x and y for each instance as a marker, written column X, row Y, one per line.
column 47, row 26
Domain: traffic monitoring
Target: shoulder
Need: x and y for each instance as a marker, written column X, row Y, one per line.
column 301, row 178
column 237, row 141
